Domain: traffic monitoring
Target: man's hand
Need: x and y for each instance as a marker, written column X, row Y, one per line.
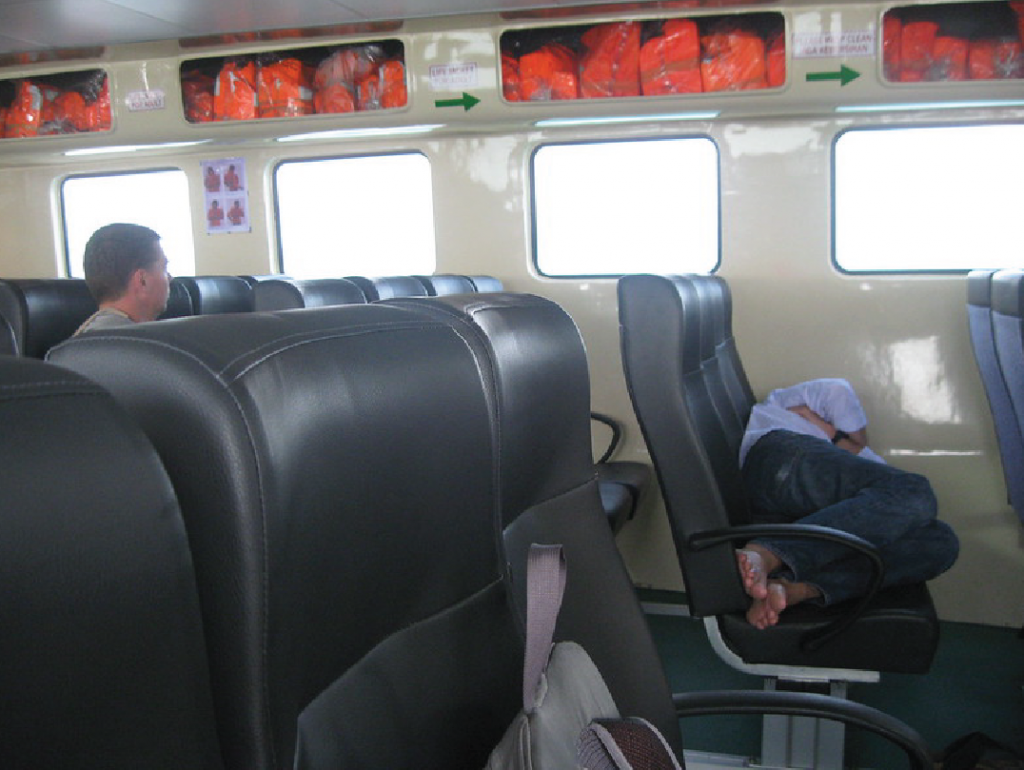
column 854, row 442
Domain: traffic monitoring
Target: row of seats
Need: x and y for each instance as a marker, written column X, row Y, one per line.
column 692, row 399
column 274, row 540
column 995, row 314
column 36, row 314
column 44, row 312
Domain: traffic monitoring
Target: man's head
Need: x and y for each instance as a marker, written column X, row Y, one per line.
column 125, row 265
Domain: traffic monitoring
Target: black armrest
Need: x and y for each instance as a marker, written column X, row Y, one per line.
column 812, row 640
column 612, row 423
column 719, row 702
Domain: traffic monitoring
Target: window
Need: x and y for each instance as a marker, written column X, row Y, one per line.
column 156, row 199
column 928, row 199
column 626, row 207
column 356, row 216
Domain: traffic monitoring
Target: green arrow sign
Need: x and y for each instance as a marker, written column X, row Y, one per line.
column 844, row 76
column 466, row 101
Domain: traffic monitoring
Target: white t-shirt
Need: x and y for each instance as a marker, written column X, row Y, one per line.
column 833, row 399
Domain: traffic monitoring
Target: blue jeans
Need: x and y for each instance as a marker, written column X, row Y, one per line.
column 791, row 477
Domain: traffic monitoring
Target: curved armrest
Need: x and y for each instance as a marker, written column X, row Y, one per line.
column 717, row 702
column 616, row 434
column 812, row 640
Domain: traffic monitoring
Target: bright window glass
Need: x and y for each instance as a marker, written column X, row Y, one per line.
column 156, row 199
column 356, row 216
column 928, row 199
column 610, row 208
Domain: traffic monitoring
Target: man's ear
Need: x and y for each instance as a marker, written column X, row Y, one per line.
column 139, row 278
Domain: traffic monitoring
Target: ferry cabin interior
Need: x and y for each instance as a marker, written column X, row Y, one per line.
column 471, row 181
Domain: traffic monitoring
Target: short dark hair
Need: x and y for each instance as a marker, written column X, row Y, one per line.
column 113, row 254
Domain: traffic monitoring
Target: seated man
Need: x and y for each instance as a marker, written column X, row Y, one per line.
column 126, row 271
column 805, row 458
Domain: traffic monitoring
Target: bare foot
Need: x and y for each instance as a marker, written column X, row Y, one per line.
column 753, row 573
column 764, row 613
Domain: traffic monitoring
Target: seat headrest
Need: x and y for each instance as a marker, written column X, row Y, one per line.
column 213, row 294
column 284, row 294
column 102, row 643
column 391, row 286
column 1008, row 292
column 44, row 311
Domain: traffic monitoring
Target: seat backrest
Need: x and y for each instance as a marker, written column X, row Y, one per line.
column 213, row 294
column 533, row 357
column 388, row 287
column 1008, row 335
column 335, row 468
column 179, row 302
column 102, row 662
column 660, row 336
column 284, row 294
column 486, row 283
column 740, row 393
column 1004, row 416
column 445, row 284
column 44, row 311
column 8, row 345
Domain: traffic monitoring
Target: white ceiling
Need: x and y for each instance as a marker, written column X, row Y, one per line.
column 32, row 25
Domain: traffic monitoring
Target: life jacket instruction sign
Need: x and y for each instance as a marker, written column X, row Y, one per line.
column 226, row 192
column 454, row 77
column 820, row 45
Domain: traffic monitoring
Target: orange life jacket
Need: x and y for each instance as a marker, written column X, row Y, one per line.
column 916, row 46
column 70, row 111
column 335, row 80
column 733, row 59
column 996, row 59
column 610, row 65
column 197, row 94
column 548, row 73
column 383, row 88
column 949, row 59
column 892, row 31
column 510, row 83
column 97, row 111
column 777, row 61
column 670, row 62
column 23, row 115
column 234, row 94
column 285, row 89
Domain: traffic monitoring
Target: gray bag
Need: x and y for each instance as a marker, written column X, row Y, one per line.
column 569, row 719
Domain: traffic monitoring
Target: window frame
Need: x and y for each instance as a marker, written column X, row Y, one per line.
column 278, row 234
column 833, row 206
column 107, row 175
column 534, row 244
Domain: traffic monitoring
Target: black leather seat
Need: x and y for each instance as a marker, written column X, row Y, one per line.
column 179, row 302
column 388, row 287
column 697, row 469
column 8, row 345
column 445, row 283
column 983, row 342
column 44, row 311
column 214, row 294
column 486, row 283
column 348, row 569
column 102, row 662
column 286, row 294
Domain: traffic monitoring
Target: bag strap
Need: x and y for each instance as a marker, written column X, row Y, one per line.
column 545, row 585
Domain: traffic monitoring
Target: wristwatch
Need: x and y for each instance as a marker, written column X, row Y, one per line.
column 839, row 436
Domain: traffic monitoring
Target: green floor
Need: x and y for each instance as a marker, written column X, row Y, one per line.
column 975, row 685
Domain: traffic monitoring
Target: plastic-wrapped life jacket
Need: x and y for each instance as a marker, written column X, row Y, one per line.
column 197, row 94
column 996, row 59
column 670, row 62
column 97, row 111
column 510, row 83
column 610, row 65
column 949, row 58
column 70, row 112
column 336, row 77
column 23, row 115
column 235, row 94
column 732, row 59
column 892, row 33
column 3, row 121
column 48, row 123
column 384, row 88
column 548, row 73
column 285, row 89
column 916, row 46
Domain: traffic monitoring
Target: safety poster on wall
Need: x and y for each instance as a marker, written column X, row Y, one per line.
column 226, row 193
